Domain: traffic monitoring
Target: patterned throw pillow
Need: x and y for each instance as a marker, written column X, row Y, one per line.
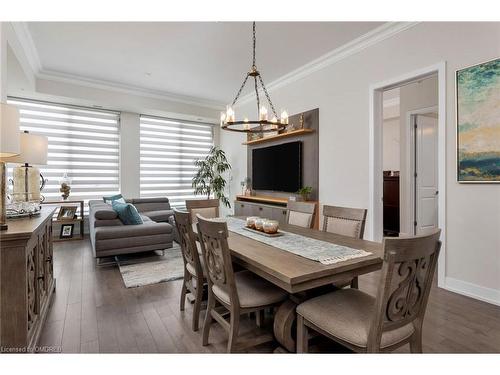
column 127, row 213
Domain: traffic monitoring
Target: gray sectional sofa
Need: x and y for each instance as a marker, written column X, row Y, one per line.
column 109, row 236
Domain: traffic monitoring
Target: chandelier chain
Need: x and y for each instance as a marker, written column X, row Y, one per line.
column 267, row 96
column 257, row 94
column 239, row 91
column 254, row 43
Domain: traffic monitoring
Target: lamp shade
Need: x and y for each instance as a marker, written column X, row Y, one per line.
column 9, row 131
column 33, row 150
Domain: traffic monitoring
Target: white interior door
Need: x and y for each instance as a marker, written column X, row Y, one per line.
column 426, row 177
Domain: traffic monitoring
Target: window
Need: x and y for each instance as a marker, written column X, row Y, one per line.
column 168, row 151
column 84, row 142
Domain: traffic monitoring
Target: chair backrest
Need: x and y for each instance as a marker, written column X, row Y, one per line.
column 208, row 208
column 300, row 214
column 406, row 279
column 212, row 235
column 187, row 241
column 345, row 221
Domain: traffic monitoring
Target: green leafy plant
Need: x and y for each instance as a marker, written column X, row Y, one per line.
column 305, row 192
column 209, row 178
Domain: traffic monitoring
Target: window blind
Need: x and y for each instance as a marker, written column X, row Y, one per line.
column 83, row 142
column 168, row 149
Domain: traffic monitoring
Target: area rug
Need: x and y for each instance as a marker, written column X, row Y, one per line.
column 151, row 267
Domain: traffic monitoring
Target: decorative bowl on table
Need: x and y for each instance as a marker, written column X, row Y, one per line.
column 251, row 221
column 259, row 223
column 270, row 226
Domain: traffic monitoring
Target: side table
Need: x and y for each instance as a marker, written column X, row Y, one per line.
column 78, row 219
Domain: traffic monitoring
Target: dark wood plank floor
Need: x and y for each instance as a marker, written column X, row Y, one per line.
column 93, row 312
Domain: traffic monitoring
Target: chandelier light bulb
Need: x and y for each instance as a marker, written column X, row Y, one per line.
column 222, row 118
column 284, row 117
column 263, row 114
column 230, row 116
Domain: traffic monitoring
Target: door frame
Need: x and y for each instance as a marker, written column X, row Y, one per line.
column 410, row 164
column 375, row 211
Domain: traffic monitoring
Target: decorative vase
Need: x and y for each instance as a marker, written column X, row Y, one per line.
column 65, row 189
column 270, row 226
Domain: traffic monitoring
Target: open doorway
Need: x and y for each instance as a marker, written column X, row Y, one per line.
column 410, row 157
column 375, row 219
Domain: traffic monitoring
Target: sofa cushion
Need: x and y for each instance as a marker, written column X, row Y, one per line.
column 159, row 216
column 110, row 199
column 127, row 213
column 104, row 212
column 141, row 230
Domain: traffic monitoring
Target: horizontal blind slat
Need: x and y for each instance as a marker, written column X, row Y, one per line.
column 82, row 142
column 168, row 151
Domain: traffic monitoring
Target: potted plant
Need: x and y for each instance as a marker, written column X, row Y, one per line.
column 209, row 178
column 305, row 192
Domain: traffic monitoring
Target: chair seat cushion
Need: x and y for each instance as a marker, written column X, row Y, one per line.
column 192, row 270
column 347, row 314
column 253, row 291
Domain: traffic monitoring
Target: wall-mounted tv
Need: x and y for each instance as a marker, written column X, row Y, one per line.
column 277, row 168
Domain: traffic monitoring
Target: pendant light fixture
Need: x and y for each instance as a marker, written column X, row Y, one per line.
column 263, row 123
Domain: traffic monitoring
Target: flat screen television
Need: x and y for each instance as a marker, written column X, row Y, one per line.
column 277, row 168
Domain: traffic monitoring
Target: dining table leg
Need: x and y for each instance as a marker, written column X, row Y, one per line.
column 284, row 320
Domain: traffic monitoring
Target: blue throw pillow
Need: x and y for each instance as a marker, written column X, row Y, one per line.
column 112, row 198
column 127, row 213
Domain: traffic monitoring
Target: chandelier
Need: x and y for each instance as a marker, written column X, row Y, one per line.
column 263, row 124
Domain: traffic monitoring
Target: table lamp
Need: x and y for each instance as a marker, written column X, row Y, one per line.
column 27, row 180
column 9, row 146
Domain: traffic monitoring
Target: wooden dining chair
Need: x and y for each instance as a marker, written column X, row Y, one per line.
column 238, row 293
column 348, row 222
column 300, row 214
column 194, row 269
column 394, row 318
column 208, row 208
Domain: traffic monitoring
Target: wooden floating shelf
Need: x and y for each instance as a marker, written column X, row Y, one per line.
column 262, row 199
column 279, row 136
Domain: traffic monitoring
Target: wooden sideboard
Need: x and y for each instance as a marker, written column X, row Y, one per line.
column 27, row 280
column 265, row 206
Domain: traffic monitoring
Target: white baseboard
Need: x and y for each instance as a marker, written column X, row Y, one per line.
column 472, row 290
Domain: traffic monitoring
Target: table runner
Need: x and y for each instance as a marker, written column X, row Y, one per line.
column 310, row 248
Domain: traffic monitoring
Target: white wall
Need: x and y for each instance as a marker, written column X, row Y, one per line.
column 340, row 91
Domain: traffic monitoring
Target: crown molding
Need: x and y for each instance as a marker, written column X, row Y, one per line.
column 127, row 89
column 369, row 39
column 26, row 41
column 28, row 45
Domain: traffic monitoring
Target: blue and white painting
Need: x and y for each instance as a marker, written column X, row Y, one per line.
column 478, row 122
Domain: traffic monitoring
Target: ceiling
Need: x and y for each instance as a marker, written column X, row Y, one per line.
column 204, row 60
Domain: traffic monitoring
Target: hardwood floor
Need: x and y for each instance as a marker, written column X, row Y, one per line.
column 93, row 312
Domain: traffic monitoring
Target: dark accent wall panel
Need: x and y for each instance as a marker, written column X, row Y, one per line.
column 310, row 153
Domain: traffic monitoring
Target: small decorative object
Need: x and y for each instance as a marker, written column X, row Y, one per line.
column 209, row 176
column 66, row 231
column 478, row 126
column 263, row 124
column 301, row 121
column 20, row 205
column 259, row 223
column 271, row 226
column 245, row 186
column 65, row 189
column 67, row 213
column 251, row 221
column 305, row 192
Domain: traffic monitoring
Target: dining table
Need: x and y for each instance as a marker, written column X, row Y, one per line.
column 299, row 276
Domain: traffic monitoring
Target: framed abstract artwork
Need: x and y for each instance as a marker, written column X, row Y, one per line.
column 478, row 123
